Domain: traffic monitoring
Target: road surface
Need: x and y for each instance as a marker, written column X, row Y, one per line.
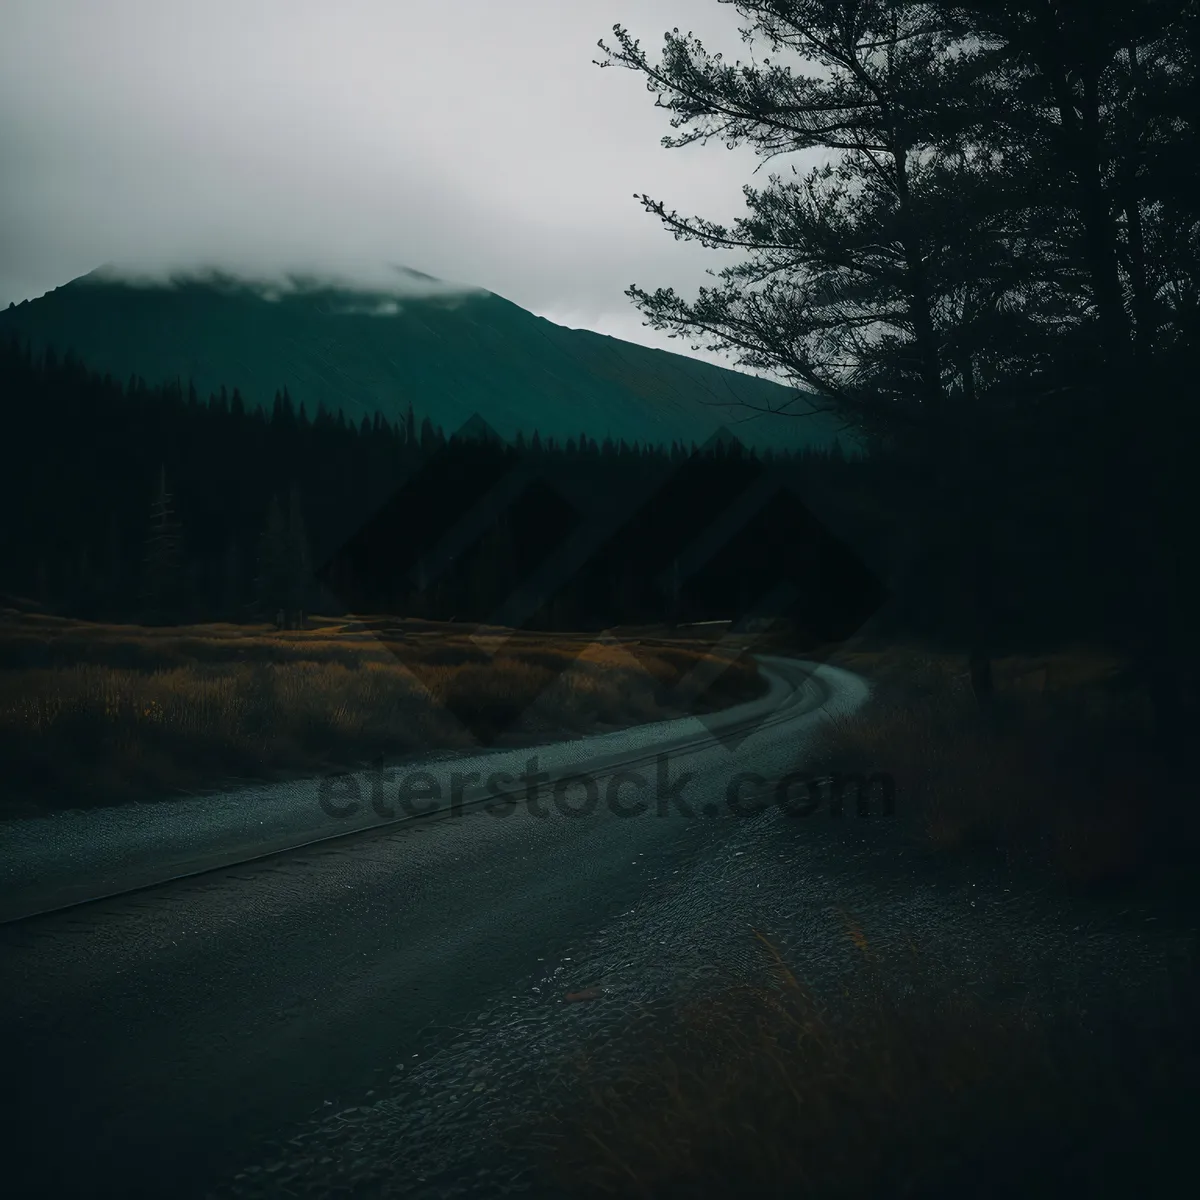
column 158, row 1039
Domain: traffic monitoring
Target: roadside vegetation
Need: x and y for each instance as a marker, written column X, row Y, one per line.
column 899, row 1079
column 93, row 714
column 900, row 1084
column 1060, row 773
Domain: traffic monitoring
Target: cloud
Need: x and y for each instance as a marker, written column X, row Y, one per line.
column 466, row 139
column 384, row 308
column 388, row 282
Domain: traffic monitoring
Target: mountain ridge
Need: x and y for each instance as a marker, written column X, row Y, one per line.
column 448, row 351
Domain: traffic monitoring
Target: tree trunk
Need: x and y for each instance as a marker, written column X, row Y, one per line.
column 982, row 602
column 1143, row 306
column 977, row 496
column 982, row 683
column 1151, row 616
column 1171, row 725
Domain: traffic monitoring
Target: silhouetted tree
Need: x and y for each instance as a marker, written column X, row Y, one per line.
column 162, row 565
column 862, row 279
column 273, row 580
column 299, row 561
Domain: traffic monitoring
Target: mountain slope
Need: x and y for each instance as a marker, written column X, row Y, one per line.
column 449, row 355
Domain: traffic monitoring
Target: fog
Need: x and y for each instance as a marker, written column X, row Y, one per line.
column 472, row 141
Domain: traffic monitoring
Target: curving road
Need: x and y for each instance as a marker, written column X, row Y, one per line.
column 199, row 1005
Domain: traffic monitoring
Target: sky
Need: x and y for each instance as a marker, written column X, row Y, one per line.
column 473, row 140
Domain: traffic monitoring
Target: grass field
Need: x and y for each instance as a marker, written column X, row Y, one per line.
column 1062, row 774
column 98, row 714
column 907, row 1083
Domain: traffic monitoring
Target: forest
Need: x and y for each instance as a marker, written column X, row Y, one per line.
column 144, row 504
column 992, row 274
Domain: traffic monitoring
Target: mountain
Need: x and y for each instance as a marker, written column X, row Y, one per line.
column 449, row 353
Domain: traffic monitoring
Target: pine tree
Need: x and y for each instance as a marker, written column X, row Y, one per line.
column 271, row 582
column 428, row 437
column 163, row 562
column 900, row 230
column 116, row 584
column 231, row 582
column 299, row 561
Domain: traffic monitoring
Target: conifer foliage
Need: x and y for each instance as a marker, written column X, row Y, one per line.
column 163, row 575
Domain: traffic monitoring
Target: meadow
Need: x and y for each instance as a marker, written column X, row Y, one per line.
column 94, row 714
column 902, row 1080
column 907, row 1083
column 1061, row 776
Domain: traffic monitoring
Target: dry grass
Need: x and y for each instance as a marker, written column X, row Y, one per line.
column 96, row 714
column 1063, row 773
column 901, row 1086
column 899, row 1080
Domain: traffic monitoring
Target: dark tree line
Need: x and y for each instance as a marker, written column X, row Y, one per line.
column 993, row 276
column 585, row 540
column 134, row 502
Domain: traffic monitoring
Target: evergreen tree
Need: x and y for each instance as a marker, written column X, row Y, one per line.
column 299, row 560
column 162, row 568
column 882, row 279
column 232, row 594
column 428, row 437
column 272, row 580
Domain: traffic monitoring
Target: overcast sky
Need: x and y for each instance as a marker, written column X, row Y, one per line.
column 471, row 139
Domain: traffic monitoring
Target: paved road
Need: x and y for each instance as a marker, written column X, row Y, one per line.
column 155, row 1041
